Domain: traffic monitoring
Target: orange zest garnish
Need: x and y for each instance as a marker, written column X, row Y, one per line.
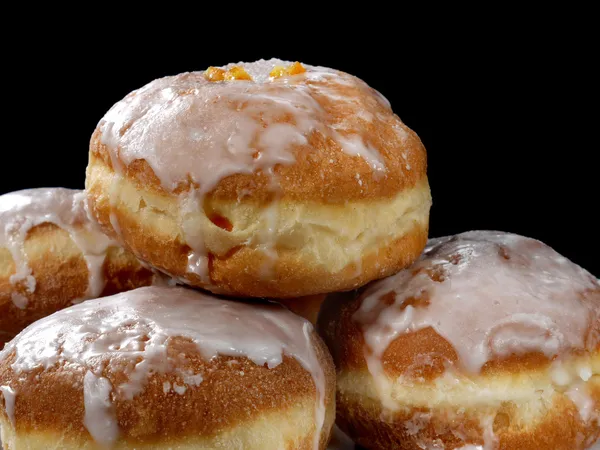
column 235, row 73
column 293, row 69
column 214, row 74
column 296, row 69
column 278, row 71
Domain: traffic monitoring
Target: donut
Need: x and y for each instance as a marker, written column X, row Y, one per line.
column 165, row 368
column 262, row 179
column 52, row 255
column 491, row 340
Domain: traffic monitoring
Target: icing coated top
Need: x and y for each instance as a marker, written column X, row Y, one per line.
column 194, row 131
column 130, row 333
column 188, row 128
column 490, row 295
column 22, row 210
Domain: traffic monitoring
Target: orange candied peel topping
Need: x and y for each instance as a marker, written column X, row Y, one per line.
column 235, row 73
column 293, row 69
column 214, row 74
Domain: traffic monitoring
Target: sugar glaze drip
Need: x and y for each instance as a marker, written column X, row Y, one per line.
column 490, row 295
column 136, row 326
column 23, row 210
column 192, row 131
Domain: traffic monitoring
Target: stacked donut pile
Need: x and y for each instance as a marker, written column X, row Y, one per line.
column 249, row 264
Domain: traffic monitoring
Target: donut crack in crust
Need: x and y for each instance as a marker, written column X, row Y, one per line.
column 490, row 340
column 282, row 180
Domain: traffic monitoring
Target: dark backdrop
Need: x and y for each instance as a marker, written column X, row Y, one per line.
column 502, row 119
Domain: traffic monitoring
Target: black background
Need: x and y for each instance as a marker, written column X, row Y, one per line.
column 504, row 115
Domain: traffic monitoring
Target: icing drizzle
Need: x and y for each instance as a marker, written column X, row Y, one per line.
column 490, row 295
column 131, row 331
column 9, row 402
column 23, row 210
column 192, row 131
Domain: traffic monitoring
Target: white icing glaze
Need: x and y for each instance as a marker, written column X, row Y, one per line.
column 99, row 419
column 585, row 373
column 9, row 402
column 416, row 423
column 560, row 375
column 179, row 389
column 490, row 440
column 581, row 398
column 189, row 129
column 186, row 127
column 193, row 379
column 497, row 294
column 22, row 210
column 107, row 334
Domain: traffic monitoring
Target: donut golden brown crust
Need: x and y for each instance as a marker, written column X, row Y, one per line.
column 335, row 216
column 237, row 404
column 59, row 269
column 525, row 400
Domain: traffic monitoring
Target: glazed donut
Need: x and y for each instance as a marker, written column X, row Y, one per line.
column 489, row 341
column 163, row 368
column 261, row 179
column 52, row 255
